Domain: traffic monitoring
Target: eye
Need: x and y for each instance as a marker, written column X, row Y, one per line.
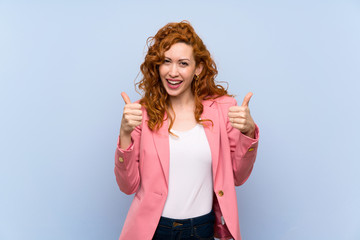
column 184, row 64
column 167, row 61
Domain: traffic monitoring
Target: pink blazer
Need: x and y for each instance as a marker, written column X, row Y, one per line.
column 143, row 169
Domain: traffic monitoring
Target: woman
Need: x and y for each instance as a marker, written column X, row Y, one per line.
column 184, row 146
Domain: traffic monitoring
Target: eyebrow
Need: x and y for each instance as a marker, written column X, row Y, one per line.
column 181, row 59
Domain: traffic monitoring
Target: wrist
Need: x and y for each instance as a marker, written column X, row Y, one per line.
column 124, row 139
column 124, row 133
column 250, row 133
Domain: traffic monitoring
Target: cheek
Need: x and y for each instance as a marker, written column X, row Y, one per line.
column 187, row 74
column 162, row 71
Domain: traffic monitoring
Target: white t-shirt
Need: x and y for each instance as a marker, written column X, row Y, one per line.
column 190, row 175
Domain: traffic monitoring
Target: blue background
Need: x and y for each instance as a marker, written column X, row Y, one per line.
column 63, row 65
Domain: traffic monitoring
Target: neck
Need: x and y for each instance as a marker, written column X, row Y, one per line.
column 183, row 103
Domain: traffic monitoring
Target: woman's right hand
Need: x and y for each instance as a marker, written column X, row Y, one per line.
column 132, row 117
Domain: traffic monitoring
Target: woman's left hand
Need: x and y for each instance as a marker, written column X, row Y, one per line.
column 241, row 119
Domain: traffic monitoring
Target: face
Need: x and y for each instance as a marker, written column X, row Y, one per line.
column 178, row 70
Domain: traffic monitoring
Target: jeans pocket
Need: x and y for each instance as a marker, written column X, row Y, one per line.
column 162, row 233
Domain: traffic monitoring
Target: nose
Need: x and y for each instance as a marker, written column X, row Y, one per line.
column 173, row 71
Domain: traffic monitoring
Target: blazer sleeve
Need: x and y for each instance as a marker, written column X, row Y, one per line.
column 243, row 150
column 126, row 170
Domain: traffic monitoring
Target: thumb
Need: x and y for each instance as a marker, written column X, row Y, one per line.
column 126, row 98
column 246, row 101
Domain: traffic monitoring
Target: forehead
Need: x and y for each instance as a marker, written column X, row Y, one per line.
column 180, row 50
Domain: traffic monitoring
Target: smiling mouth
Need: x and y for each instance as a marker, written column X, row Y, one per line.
column 174, row 82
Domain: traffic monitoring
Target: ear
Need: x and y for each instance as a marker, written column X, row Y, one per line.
column 199, row 68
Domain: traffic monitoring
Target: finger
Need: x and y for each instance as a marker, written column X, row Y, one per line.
column 129, row 111
column 241, row 114
column 246, row 101
column 238, row 126
column 134, row 123
column 238, row 120
column 133, row 117
column 235, row 108
column 126, row 98
column 134, row 106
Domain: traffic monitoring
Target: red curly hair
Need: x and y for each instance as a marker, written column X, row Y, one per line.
column 155, row 98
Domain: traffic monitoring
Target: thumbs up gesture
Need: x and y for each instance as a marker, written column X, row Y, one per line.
column 241, row 119
column 132, row 116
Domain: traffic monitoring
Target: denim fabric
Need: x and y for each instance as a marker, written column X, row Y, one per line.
column 201, row 227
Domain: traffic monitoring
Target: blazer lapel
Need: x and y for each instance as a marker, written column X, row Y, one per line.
column 212, row 132
column 161, row 140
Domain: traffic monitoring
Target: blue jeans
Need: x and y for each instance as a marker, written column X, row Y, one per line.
column 201, row 227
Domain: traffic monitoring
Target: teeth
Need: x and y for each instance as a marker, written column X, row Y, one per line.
column 174, row 82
